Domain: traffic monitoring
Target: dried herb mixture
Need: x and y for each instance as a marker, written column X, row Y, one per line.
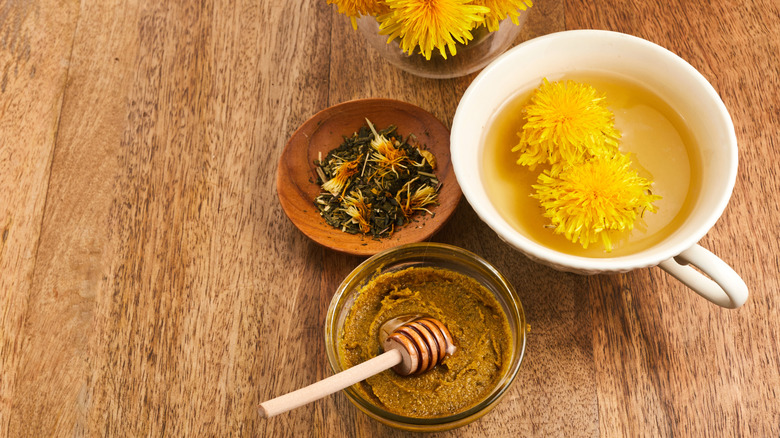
column 375, row 182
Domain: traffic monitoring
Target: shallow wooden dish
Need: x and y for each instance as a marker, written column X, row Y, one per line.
column 296, row 177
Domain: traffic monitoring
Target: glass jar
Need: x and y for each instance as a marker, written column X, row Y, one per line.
column 469, row 58
column 428, row 255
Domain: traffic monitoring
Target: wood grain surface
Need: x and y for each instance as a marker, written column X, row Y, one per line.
column 150, row 284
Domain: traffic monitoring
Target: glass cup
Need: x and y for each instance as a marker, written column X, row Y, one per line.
column 428, row 255
column 673, row 80
column 485, row 47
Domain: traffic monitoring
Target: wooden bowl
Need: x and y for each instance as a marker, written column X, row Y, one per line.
column 296, row 176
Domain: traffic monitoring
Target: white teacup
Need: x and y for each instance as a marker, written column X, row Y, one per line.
column 668, row 76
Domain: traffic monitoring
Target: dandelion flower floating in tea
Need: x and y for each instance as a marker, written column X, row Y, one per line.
column 566, row 123
column 500, row 9
column 431, row 24
column 586, row 201
column 587, row 188
column 375, row 181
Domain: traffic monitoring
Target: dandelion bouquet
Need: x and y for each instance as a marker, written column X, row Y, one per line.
column 427, row 26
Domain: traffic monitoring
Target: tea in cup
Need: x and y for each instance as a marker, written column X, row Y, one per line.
column 673, row 123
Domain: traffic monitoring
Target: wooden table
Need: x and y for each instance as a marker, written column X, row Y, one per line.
column 151, row 285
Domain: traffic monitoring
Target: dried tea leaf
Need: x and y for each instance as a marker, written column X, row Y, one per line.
column 375, row 182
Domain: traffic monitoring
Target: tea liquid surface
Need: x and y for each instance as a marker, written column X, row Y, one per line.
column 661, row 146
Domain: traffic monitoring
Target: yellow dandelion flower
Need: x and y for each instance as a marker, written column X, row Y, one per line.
column 430, row 24
column 422, row 197
column 586, row 201
column 341, row 176
column 355, row 8
column 358, row 210
column 500, row 9
column 566, row 122
column 385, row 154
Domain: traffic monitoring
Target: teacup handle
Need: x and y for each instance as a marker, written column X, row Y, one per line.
column 727, row 290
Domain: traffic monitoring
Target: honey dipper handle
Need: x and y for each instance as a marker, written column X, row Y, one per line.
column 332, row 384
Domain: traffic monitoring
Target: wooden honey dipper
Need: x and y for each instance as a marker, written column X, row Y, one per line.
column 412, row 348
